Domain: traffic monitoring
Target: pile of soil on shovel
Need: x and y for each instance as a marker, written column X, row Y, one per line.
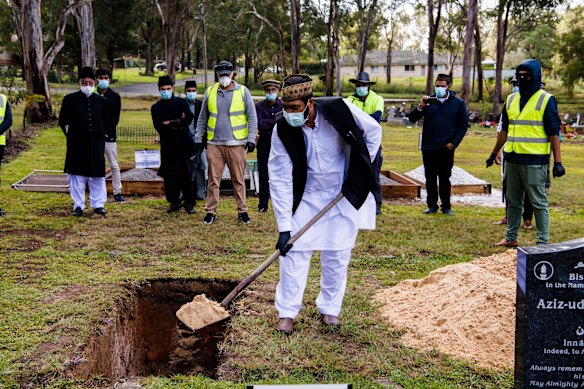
column 465, row 310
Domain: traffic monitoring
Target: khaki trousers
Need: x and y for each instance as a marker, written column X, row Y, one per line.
column 234, row 157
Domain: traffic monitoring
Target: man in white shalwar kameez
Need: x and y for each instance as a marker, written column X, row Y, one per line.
column 319, row 148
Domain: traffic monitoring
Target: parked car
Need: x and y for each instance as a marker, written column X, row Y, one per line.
column 162, row 66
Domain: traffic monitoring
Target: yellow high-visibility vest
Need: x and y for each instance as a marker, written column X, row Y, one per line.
column 237, row 116
column 526, row 134
column 372, row 103
column 3, row 104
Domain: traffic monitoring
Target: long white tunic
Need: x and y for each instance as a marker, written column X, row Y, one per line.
column 328, row 160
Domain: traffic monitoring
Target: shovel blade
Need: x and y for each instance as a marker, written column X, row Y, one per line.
column 201, row 312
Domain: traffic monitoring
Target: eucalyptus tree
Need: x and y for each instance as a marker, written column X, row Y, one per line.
column 37, row 61
column 514, row 17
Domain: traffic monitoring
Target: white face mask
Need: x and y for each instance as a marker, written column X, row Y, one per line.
column 87, row 90
column 225, row 81
column 191, row 96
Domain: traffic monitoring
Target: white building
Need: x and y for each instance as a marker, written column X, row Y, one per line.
column 404, row 63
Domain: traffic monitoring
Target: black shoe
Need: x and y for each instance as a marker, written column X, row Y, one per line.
column 2, row 212
column 78, row 212
column 378, row 209
column 448, row 211
column 173, row 208
column 209, row 218
column 100, row 211
column 244, row 218
column 263, row 208
column 189, row 209
column 119, row 199
column 430, row 210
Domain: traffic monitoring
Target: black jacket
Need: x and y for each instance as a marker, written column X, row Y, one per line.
column 360, row 178
column 83, row 121
column 115, row 106
column 175, row 141
column 444, row 123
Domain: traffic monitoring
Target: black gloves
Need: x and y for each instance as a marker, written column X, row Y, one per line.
column 558, row 169
column 491, row 160
column 250, row 147
column 282, row 243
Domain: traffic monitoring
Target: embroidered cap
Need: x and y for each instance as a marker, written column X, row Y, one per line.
column 296, row 86
column 268, row 83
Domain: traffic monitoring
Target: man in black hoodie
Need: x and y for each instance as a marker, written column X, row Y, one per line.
column 445, row 124
column 530, row 128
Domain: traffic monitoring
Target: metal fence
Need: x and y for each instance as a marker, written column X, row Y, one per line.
column 137, row 134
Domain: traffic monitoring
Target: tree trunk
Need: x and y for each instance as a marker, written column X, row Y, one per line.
column 468, row 42
column 433, row 24
column 84, row 19
column 502, row 25
column 172, row 16
column 388, row 62
column 247, row 66
column 295, row 19
column 364, row 41
column 331, row 49
column 36, row 62
column 478, row 61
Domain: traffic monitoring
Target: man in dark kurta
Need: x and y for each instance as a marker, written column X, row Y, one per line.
column 83, row 118
column 171, row 116
column 267, row 111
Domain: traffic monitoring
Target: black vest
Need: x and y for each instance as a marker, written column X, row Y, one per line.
column 360, row 178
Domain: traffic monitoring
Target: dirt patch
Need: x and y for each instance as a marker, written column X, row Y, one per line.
column 142, row 336
column 465, row 310
column 23, row 240
column 19, row 140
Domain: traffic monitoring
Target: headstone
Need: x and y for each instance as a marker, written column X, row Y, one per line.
column 549, row 338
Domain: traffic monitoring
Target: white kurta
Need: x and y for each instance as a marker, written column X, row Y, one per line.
column 328, row 159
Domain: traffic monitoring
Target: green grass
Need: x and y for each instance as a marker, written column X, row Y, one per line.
column 45, row 253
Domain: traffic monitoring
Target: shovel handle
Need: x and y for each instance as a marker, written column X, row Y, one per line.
column 260, row 269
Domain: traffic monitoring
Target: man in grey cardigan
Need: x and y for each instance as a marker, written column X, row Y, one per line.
column 229, row 121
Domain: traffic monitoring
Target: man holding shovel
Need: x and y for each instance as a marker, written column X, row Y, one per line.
column 320, row 148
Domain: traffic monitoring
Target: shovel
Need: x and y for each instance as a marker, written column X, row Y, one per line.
column 202, row 312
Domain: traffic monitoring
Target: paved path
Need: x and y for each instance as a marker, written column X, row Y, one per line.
column 145, row 89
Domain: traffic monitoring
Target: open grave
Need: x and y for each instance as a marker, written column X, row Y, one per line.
column 142, row 336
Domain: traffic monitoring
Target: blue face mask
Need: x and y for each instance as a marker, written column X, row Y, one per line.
column 516, row 89
column 295, row 119
column 166, row 94
column 440, row 91
column 271, row 96
column 191, row 96
column 362, row 91
column 103, row 84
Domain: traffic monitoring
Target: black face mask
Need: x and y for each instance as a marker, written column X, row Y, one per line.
column 524, row 84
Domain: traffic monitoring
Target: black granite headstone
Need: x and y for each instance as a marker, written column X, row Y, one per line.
column 549, row 337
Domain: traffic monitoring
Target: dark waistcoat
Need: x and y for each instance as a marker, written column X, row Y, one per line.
column 360, row 178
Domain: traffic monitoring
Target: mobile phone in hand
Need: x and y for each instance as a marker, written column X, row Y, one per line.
column 432, row 100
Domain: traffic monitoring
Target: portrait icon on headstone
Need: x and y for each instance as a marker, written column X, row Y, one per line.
column 543, row 270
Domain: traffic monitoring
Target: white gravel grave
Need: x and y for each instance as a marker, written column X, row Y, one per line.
column 461, row 177
column 140, row 175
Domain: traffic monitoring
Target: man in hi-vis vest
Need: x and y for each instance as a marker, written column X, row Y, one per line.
column 5, row 124
column 530, row 128
column 229, row 119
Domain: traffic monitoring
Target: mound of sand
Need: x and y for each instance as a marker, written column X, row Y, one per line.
column 465, row 310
